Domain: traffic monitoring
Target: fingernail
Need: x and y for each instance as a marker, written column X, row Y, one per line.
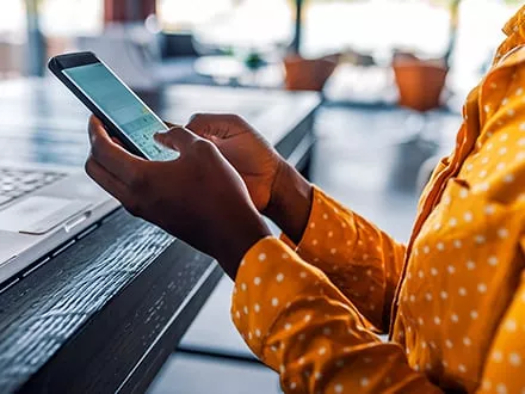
column 159, row 135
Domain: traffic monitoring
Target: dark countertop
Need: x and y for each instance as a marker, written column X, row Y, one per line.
column 103, row 313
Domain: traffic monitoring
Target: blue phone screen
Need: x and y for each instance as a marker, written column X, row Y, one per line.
column 115, row 100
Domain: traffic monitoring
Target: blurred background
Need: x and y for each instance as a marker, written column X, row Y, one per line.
column 259, row 34
column 392, row 73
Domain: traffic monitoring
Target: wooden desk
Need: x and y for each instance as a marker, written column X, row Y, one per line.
column 103, row 312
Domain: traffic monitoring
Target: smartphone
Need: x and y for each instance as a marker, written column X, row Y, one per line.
column 122, row 112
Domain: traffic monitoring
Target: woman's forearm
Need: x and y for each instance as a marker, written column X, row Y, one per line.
column 290, row 202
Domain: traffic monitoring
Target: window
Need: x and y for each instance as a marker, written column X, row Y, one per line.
column 67, row 18
column 12, row 18
column 479, row 35
column 57, row 17
column 374, row 26
column 177, row 15
column 60, row 21
column 231, row 23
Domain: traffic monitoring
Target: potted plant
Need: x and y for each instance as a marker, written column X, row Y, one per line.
column 421, row 82
column 308, row 74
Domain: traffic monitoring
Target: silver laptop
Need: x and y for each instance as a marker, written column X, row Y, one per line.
column 41, row 209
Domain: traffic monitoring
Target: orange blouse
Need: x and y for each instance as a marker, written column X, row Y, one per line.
column 452, row 300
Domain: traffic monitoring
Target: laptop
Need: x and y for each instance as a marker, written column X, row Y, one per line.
column 42, row 209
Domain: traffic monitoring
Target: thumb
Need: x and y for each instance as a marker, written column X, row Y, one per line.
column 216, row 125
column 177, row 138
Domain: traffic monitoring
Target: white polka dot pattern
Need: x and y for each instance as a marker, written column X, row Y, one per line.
column 323, row 324
column 307, row 309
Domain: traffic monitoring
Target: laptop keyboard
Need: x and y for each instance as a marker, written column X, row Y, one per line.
column 15, row 183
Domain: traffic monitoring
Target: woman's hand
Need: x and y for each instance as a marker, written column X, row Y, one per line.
column 199, row 197
column 276, row 189
column 251, row 155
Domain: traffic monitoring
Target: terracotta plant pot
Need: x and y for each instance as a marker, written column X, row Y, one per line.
column 420, row 82
column 308, row 74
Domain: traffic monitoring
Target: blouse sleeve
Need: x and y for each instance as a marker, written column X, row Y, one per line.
column 503, row 371
column 302, row 326
column 363, row 262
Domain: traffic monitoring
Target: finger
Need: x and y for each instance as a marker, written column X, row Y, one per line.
column 117, row 142
column 172, row 125
column 214, row 125
column 111, row 156
column 107, row 181
column 178, row 139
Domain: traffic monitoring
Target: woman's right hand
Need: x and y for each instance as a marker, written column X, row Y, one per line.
column 276, row 189
column 246, row 150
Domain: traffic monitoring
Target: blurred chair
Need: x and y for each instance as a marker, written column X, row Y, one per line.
column 308, row 74
column 176, row 45
column 420, row 82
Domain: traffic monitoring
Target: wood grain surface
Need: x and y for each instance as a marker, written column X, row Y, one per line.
column 63, row 325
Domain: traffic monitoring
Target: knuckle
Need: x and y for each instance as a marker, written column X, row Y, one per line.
column 202, row 147
column 173, row 132
column 234, row 118
column 197, row 117
column 200, row 123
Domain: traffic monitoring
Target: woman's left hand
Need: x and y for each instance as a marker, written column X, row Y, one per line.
column 199, row 197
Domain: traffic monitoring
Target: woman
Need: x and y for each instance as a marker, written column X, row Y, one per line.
column 310, row 305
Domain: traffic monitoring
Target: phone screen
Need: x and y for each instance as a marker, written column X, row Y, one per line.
column 120, row 105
